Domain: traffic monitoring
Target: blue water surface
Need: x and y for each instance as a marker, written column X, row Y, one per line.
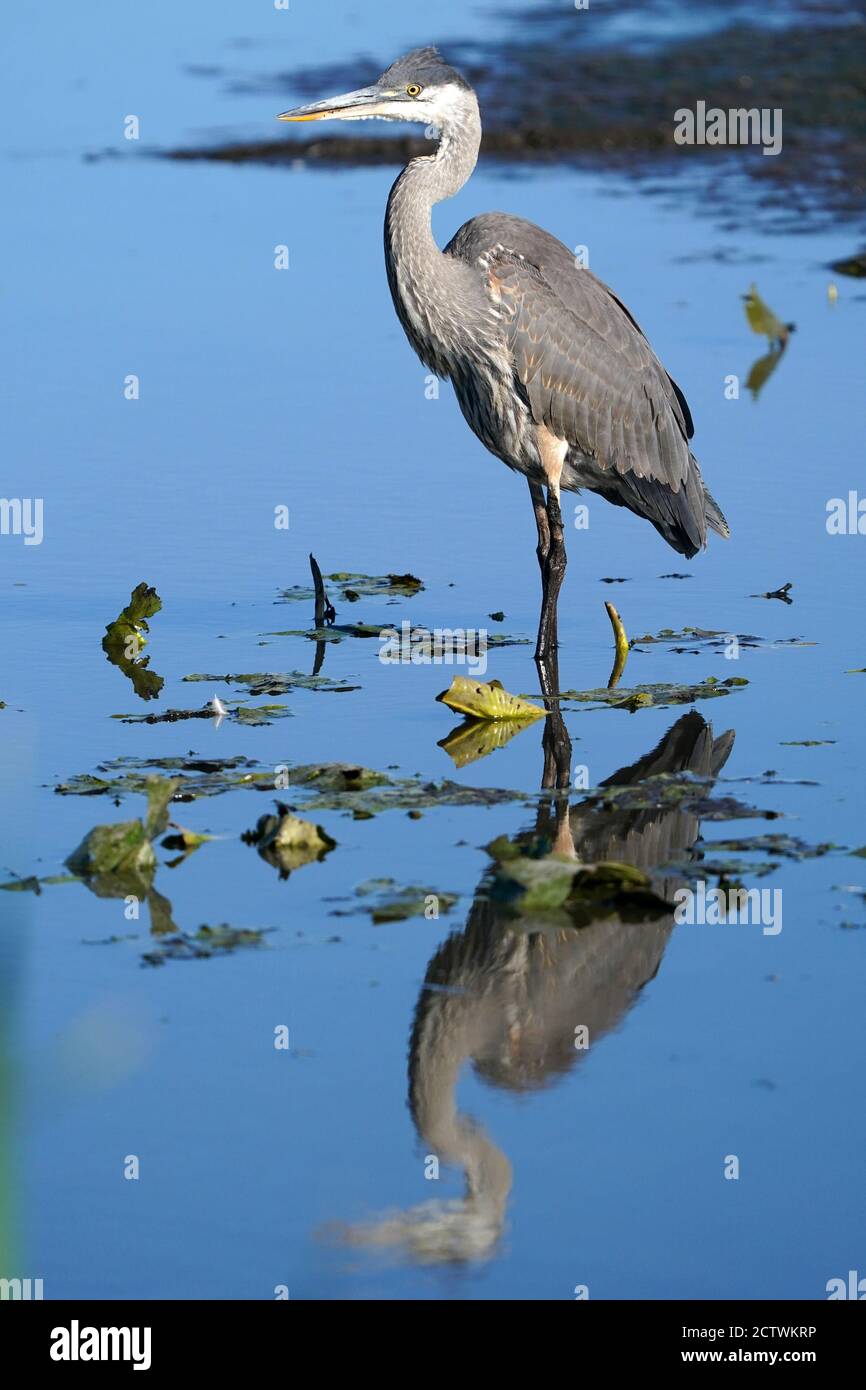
column 261, row 388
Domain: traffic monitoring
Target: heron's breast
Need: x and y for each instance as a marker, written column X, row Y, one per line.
column 459, row 334
column 485, row 389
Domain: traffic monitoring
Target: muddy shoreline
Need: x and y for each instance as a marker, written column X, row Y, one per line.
column 552, row 99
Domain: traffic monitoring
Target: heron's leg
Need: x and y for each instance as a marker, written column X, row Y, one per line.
column 555, row 740
column 552, row 575
column 539, row 506
column 552, row 452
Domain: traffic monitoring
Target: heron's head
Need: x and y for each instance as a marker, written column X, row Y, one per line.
column 419, row 87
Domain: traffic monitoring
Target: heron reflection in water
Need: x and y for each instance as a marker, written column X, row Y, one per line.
column 506, row 993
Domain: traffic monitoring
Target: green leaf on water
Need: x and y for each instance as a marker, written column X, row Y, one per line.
column 386, row 902
column 22, row 885
column 487, row 700
column 203, row 944
column 347, row 787
column 355, row 586
column 288, row 842
column 277, row 683
column 196, row 776
column 236, row 710
column 658, row 695
column 692, row 639
column 35, row 885
column 116, row 860
column 807, row 743
column 111, row 850
column 124, row 639
column 335, row 633
column 260, row 714
column 587, row 893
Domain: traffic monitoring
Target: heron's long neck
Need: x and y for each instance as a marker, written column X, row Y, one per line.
column 422, row 279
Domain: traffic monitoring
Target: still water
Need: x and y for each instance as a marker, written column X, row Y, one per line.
column 261, row 1167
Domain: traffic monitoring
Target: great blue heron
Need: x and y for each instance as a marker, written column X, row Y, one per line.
column 550, row 369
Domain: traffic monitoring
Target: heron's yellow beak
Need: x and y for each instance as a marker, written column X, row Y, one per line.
column 310, row 116
column 352, row 106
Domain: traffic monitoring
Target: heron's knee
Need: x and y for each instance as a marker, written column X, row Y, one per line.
column 555, row 563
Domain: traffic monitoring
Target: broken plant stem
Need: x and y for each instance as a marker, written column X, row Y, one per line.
column 621, row 646
column 325, row 612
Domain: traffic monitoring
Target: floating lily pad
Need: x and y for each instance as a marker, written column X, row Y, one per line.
column 259, row 714
column 355, row 586
column 386, row 902
column 694, row 639
column 487, row 700
column 203, row 944
column 195, row 777
column 335, row 633
column 118, row 860
column 587, row 893
column 785, row 846
column 125, row 847
column 244, row 714
column 362, row 793
column 287, row 842
column 346, row 787
column 167, row 716
column 417, row 644
column 659, row 695
column 278, row 683
column 727, row 871
column 31, row 884
column 704, row 635
column 808, row 743
column 424, row 646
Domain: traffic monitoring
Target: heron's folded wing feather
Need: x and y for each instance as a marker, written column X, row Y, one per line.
column 588, row 373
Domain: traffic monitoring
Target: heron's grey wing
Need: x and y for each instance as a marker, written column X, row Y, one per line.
column 588, row 373
column 592, row 335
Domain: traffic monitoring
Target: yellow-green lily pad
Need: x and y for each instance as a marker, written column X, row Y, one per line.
column 487, row 700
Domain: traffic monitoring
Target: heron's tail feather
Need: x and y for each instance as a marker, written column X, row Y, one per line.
column 715, row 516
column 681, row 513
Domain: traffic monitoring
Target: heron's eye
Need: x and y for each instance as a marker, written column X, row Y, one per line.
column 413, row 90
